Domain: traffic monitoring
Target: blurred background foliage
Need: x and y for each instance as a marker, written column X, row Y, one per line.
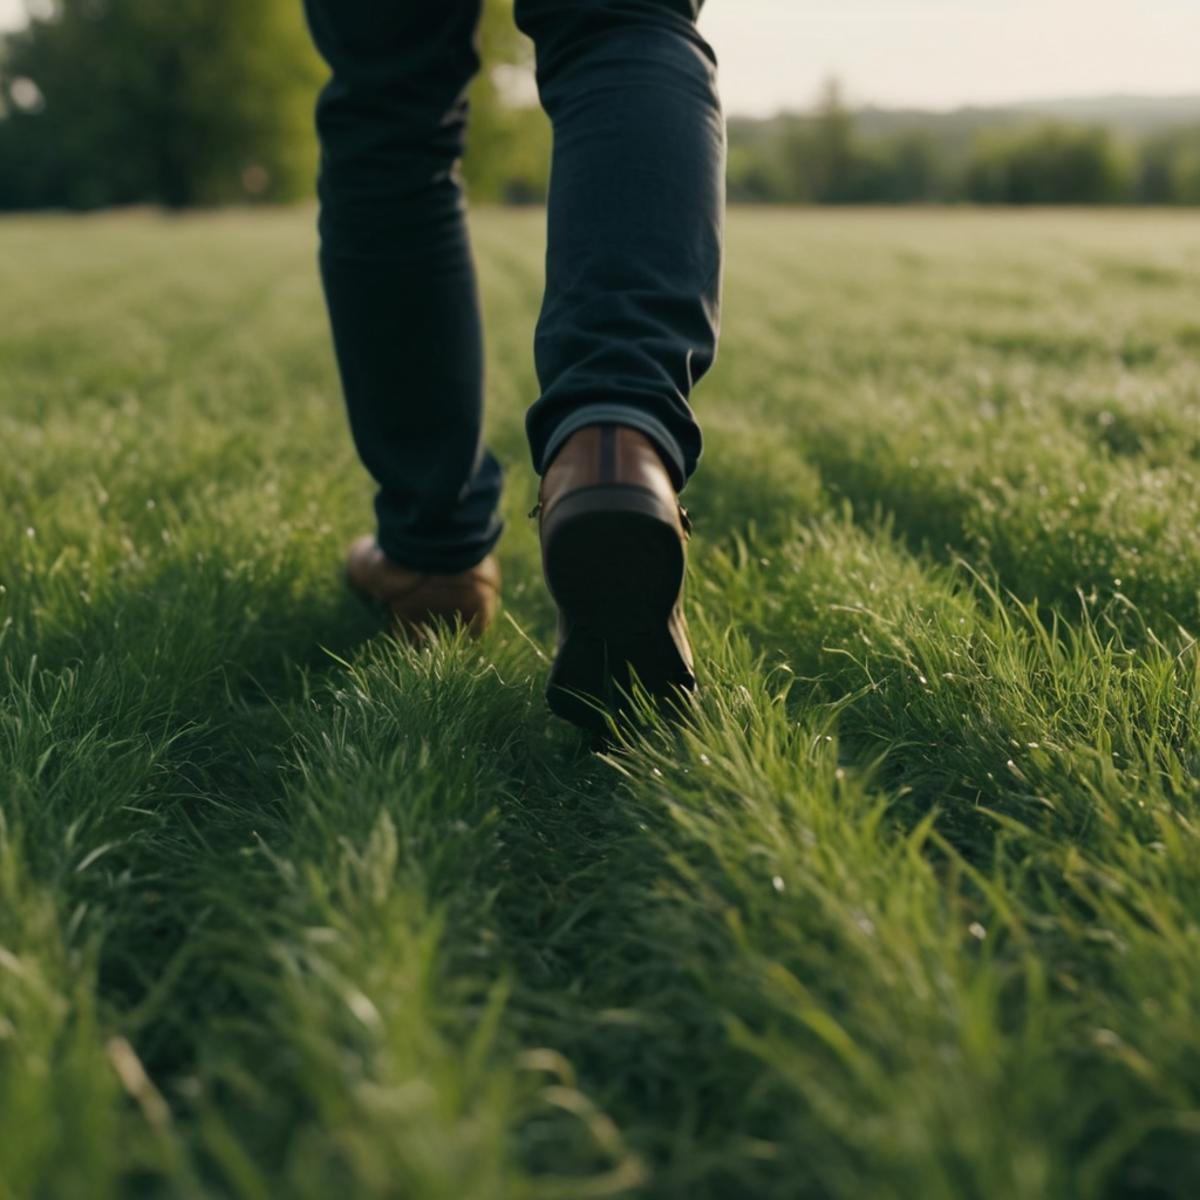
column 194, row 102
column 197, row 102
column 1119, row 150
column 508, row 147
column 178, row 102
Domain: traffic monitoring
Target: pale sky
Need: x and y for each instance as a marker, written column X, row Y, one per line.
column 941, row 53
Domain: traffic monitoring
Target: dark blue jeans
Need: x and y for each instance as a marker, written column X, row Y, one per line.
column 630, row 315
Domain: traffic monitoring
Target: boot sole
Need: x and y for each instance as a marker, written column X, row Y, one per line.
column 614, row 562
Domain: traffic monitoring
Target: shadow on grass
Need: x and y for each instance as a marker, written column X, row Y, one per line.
column 218, row 666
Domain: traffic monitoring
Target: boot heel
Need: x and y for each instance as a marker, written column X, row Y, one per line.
column 614, row 562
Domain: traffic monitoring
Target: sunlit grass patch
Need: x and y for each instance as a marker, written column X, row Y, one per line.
column 905, row 904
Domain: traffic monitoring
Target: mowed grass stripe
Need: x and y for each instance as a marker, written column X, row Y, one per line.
column 208, row 973
column 421, row 943
column 1059, row 766
column 1006, row 399
column 135, row 571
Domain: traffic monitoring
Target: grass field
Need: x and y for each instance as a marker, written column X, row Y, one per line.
column 912, row 910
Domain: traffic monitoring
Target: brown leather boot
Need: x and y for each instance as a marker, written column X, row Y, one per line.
column 614, row 552
column 416, row 598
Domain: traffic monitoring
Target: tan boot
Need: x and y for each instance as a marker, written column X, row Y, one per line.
column 416, row 598
column 614, row 551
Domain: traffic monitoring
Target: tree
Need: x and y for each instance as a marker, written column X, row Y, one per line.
column 1170, row 168
column 1051, row 163
column 508, row 142
column 912, row 170
column 192, row 101
column 822, row 153
column 836, row 155
column 1185, row 174
column 183, row 102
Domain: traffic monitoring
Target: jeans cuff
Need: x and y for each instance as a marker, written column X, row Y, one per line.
column 440, row 557
column 620, row 414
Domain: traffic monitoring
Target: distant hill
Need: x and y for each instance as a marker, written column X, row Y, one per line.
column 1135, row 116
column 953, row 130
column 1130, row 114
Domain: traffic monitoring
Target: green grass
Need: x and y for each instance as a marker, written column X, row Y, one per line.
column 912, row 909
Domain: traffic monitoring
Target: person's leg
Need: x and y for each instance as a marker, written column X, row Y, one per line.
column 628, row 325
column 636, row 214
column 397, row 270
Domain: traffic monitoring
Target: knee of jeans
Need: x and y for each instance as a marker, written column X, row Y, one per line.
column 604, row 37
column 379, row 198
column 388, row 174
column 388, row 120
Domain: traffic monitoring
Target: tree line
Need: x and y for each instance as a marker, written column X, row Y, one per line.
column 196, row 102
column 826, row 158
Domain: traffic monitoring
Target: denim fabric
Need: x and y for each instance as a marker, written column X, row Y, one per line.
column 635, row 222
